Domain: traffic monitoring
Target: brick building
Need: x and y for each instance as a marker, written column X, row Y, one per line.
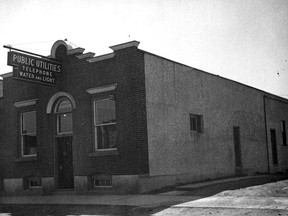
column 131, row 121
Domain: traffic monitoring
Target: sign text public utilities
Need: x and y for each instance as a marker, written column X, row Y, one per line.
column 34, row 69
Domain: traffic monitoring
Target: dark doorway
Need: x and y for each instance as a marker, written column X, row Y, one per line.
column 65, row 163
column 274, row 146
column 237, row 147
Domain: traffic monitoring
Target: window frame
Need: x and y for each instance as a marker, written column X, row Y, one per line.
column 35, row 181
column 32, row 182
column 106, row 179
column 199, row 124
column 193, row 120
column 109, row 185
column 23, row 134
column 95, row 125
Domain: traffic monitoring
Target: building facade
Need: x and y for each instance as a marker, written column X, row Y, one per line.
column 130, row 122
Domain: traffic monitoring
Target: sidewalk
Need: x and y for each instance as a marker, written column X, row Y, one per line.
column 162, row 199
column 115, row 200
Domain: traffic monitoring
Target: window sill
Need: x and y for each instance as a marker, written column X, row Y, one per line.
column 64, row 135
column 34, row 187
column 196, row 132
column 101, row 187
column 22, row 159
column 104, row 153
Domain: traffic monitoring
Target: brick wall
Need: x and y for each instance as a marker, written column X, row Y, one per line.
column 14, row 91
column 127, row 70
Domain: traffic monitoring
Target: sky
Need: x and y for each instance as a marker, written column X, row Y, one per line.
column 242, row 40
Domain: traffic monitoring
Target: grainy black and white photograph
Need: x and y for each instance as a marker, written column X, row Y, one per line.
column 143, row 107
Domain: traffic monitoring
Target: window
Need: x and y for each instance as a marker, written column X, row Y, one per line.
column 196, row 123
column 35, row 183
column 105, row 124
column 64, row 117
column 102, row 181
column 283, row 130
column 28, row 134
column 32, row 182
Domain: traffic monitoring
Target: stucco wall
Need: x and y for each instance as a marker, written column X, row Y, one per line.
column 1, row 141
column 172, row 92
column 277, row 111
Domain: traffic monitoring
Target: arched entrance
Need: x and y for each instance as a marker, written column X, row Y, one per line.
column 64, row 150
column 61, row 106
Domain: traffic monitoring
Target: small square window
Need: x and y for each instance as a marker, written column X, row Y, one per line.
column 196, row 123
column 35, row 183
column 102, row 181
column 32, row 182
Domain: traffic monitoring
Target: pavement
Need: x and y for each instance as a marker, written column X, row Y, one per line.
column 168, row 198
column 115, row 200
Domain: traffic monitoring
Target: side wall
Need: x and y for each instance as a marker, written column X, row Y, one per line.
column 277, row 111
column 1, row 141
column 172, row 92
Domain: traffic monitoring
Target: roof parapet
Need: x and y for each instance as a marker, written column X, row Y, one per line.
column 111, row 55
column 6, row 75
column 89, row 56
column 56, row 45
column 86, row 55
column 101, row 57
column 125, row 45
column 75, row 51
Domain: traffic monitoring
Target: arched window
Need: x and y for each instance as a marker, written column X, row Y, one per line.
column 63, row 110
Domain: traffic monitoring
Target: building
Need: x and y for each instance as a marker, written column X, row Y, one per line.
column 130, row 122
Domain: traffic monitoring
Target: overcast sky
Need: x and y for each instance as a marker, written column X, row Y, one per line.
column 243, row 40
